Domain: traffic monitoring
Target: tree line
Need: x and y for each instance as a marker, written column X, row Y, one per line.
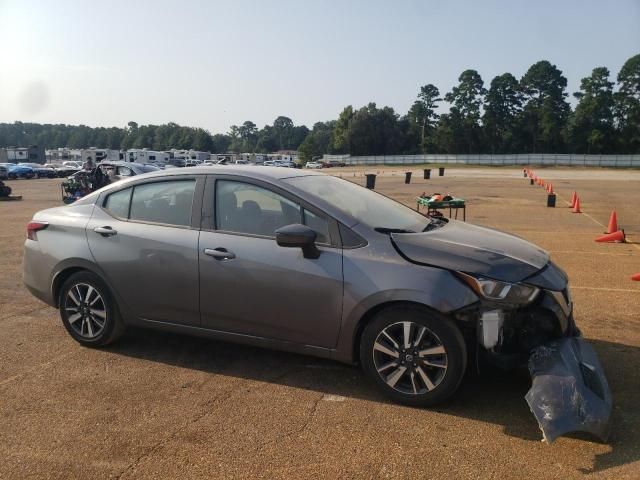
column 526, row 115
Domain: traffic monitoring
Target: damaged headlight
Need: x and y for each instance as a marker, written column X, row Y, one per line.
column 496, row 291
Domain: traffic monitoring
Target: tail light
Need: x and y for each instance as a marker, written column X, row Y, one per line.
column 33, row 227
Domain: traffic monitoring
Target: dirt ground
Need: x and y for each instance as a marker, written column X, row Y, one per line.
column 164, row 406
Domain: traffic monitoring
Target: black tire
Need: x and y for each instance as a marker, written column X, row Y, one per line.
column 439, row 333
column 113, row 326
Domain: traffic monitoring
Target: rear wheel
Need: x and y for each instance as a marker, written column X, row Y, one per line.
column 415, row 356
column 88, row 310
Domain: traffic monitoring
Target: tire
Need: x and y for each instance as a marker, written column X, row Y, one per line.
column 78, row 292
column 428, row 378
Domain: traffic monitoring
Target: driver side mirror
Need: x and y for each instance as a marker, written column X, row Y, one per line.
column 298, row 236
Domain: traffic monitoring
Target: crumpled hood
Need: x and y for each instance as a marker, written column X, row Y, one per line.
column 473, row 249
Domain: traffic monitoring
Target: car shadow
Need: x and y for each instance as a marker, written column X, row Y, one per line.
column 493, row 396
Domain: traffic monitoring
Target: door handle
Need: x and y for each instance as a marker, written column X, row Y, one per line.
column 219, row 253
column 105, row 231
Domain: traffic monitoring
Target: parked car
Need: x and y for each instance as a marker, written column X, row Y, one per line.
column 41, row 171
column 62, row 170
column 331, row 269
column 283, row 163
column 73, row 164
column 120, row 170
column 313, row 165
column 15, row 171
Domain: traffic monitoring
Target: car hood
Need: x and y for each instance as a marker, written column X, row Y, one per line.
column 473, row 249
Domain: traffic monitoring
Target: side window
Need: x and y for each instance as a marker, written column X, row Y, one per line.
column 124, row 172
column 118, row 203
column 163, row 202
column 245, row 208
column 319, row 224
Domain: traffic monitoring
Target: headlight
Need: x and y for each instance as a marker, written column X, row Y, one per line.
column 496, row 291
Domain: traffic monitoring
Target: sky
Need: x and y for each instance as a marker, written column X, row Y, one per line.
column 216, row 63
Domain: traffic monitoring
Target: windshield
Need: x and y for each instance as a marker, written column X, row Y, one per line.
column 366, row 206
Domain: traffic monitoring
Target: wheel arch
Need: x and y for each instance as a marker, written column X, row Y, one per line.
column 370, row 314
column 68, row 268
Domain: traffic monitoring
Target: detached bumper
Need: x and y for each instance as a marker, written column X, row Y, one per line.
column 569, row 391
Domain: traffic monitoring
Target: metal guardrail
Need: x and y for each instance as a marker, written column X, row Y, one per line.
column 572, row 160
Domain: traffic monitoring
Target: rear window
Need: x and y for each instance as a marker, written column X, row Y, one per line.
column 163, row 202
column 118, row 203
column 167, row 203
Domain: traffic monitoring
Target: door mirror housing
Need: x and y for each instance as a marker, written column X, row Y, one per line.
column 298, row 236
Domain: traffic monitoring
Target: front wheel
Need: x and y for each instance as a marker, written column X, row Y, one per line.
column 88, row 310
column 415, row 356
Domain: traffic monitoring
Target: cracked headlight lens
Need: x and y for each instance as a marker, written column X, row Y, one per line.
column 494, row 290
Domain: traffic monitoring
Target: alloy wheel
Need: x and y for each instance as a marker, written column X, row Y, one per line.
column 86, row 310
column 410, row 358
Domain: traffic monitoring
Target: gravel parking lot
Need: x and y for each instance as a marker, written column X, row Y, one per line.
column 163, row 406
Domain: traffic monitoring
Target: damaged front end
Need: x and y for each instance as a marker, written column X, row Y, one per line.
column 523, row 316
column 534, row 326
column 569, row 391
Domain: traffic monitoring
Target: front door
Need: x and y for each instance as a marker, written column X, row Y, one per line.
column 250, row 285
column 143, row 239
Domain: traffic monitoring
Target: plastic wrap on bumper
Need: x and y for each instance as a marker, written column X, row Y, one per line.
column 569, row 391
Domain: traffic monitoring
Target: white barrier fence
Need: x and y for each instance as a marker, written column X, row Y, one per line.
column 569, row 160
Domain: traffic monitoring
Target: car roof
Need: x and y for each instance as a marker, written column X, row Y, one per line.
column 257, row 172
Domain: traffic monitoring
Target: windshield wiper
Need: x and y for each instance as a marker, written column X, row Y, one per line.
column 435, row 223
column 392, row 230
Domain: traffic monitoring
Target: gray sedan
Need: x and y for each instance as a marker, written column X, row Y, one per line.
column 309, row 263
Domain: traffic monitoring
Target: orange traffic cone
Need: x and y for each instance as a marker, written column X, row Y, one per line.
column 613, row 223
column 636, row 277
column 576, row 206
column 573, row 200
column 612, row 237
column 549, row 187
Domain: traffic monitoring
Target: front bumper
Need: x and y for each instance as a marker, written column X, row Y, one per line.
column 569, row 390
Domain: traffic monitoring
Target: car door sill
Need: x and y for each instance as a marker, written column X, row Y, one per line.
column 238, row 338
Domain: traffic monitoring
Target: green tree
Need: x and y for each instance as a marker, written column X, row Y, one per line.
column 591, row 128
column 317, row 141
column 546, row 110
column 466, row 101
column 248, row 133
column 502, row 108
column 267, row 140
column 422, row 115
column 375, row 131
column 283, row 126
column 342, row 131
column 627, row 106
column 221, row 143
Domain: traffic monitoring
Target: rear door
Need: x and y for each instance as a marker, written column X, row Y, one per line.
column 144, row 236
column 252, row 286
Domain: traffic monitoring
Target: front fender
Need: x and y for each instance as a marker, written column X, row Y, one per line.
column 370, row 284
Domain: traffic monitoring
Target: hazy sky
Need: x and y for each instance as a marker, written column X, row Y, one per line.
column 217, row 63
